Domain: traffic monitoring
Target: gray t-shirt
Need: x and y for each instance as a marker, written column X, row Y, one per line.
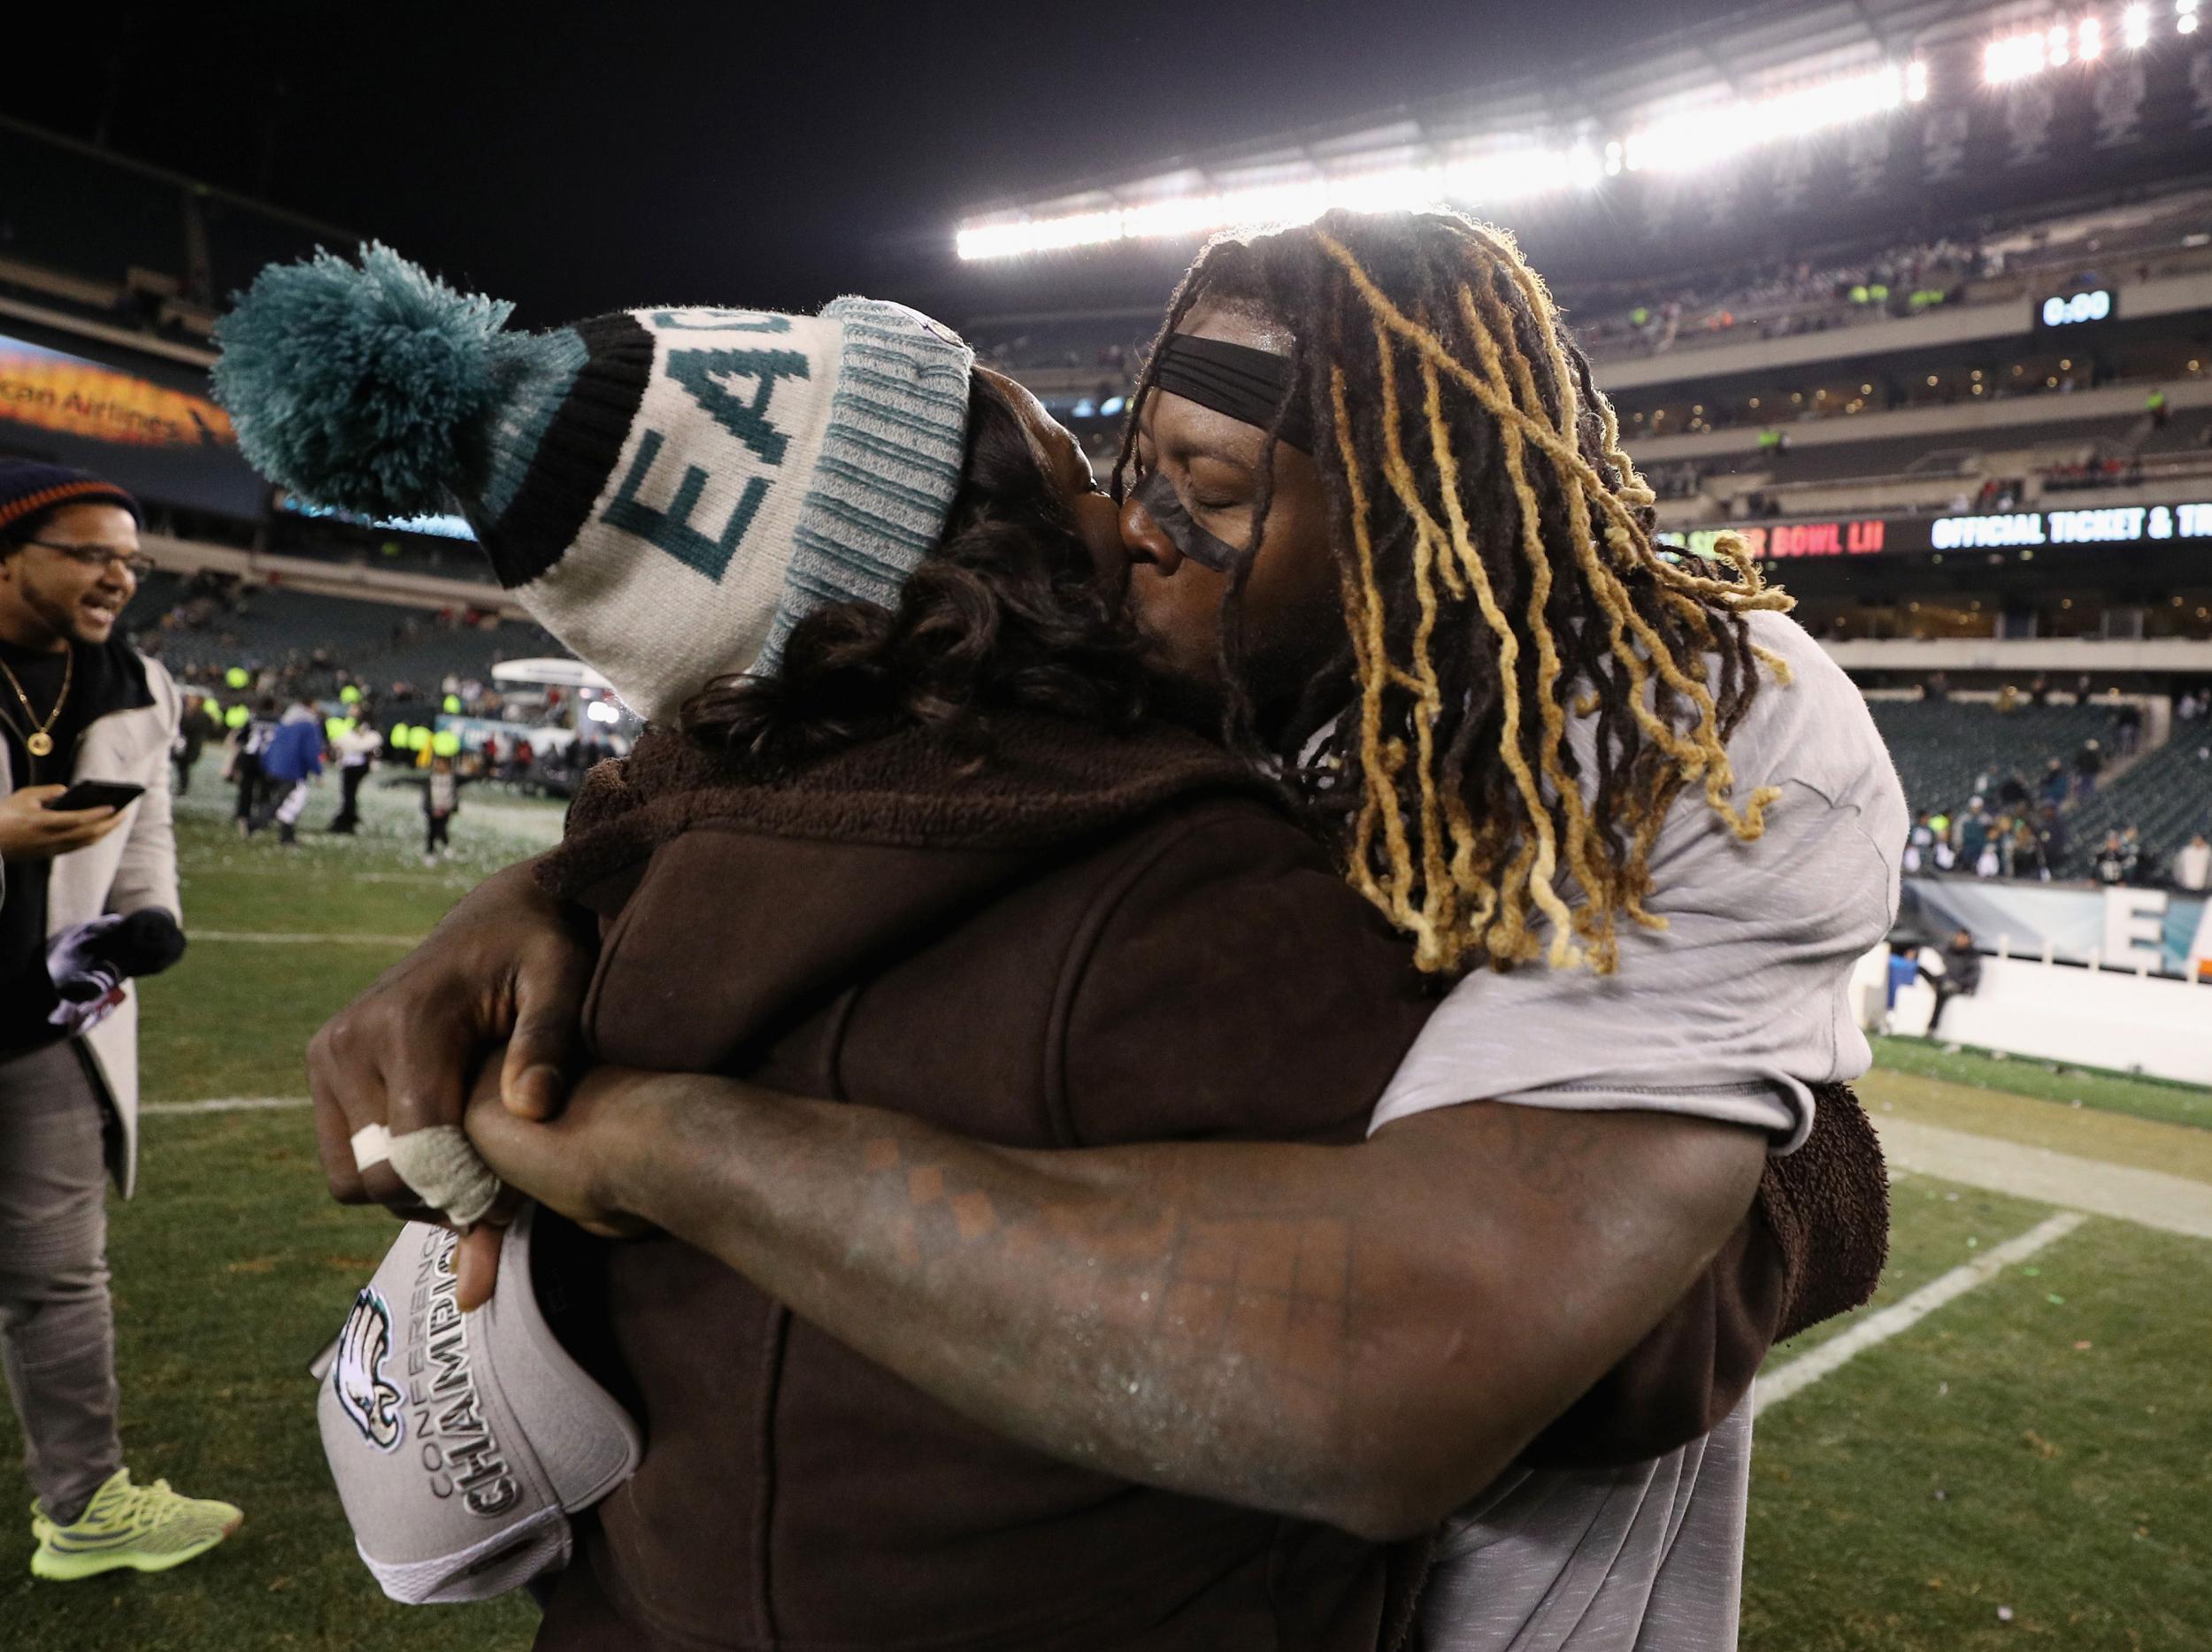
column 1731, row 1013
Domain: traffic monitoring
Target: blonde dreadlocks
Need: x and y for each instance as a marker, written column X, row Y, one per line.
column 1500, row 577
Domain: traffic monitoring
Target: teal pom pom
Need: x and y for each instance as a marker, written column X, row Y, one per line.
column 372, row 389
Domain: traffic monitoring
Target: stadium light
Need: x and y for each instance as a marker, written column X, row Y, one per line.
column 1686, row 142
column 2135, row 26
column 2184, row 17
column 1504, row 175
column 1509, row 172
column 2017, row 57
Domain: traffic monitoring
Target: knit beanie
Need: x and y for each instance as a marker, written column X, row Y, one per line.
column 667, row 490
column 30, row 487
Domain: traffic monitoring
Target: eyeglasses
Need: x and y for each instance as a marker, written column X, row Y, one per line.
column 99, row 556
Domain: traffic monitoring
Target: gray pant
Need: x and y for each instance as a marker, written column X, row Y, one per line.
column 56, row 1329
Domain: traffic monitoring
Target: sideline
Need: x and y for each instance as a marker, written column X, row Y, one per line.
column 1799, row 1375
column 2150, row 1198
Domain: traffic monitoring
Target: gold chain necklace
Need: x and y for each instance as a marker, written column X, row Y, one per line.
column 38, row 742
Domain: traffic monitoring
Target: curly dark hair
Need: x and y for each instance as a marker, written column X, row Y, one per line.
column 1008, row 613
column 1501, row 580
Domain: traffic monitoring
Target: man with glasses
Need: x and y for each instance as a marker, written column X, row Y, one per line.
column 87, row 901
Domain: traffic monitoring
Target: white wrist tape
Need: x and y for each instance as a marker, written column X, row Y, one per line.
column 372, row 1145
column 445, row 1172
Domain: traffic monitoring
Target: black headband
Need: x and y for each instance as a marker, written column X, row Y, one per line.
column 1248, row 385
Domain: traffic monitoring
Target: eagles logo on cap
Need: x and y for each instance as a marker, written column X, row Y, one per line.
column 486, row 1434
column 370, row 1403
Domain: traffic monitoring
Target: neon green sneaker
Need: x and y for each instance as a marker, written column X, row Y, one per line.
column 149, row 1528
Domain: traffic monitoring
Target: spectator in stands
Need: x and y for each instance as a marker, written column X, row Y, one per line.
column 357, row 750
column 1970, row 835
column 2051, row 837
column 2008, row 700
column 191, row 738
column 2001, row 843
column 2192, row 865
column 87, row 901
column 2132, row 853
column 2040, row 690
column 2088, row 764
column 2012, row 791
column 1919, row 843
column 2127, row 724
column 2114, row 865
column 1961, row 974
column 2054, row 785
column 2028, row 859
column 248, row 743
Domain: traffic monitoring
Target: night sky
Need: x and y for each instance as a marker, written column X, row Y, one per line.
column 734, row 153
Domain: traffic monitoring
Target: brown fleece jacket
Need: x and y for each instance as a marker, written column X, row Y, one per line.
column 1089, row 942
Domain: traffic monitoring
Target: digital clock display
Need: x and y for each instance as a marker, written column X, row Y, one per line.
column 2094, row 305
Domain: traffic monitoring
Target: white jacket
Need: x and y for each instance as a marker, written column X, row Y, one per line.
column 131, row 868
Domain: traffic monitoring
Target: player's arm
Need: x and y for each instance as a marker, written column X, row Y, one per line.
column 507, row 962
column 1363, row 1334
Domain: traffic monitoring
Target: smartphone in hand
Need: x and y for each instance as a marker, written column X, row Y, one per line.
column 96, row 795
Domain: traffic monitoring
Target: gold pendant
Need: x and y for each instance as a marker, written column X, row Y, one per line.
column 40, row 743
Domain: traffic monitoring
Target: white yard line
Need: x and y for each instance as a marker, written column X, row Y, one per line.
column 1773, row 1388
column 460, row 878
column 2150, row 1198
column 287, row 938
column 228, row 1104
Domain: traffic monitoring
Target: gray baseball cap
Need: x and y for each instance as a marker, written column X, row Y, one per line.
column 461, row 1443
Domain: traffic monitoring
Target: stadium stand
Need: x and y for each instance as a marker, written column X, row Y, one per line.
column 201, row 628
column 115, row 241
column 2122, row 246
column 2167, row 794
column 1945, row 749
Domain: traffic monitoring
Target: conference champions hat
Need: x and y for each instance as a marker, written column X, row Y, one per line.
column 461, row 1443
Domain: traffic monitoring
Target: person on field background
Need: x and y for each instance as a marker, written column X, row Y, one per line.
column 190, row 740
column 356, row 749
column 440, row 801
column 289, row 765
column 248, row 743
column 99, row 885
column 1962, row 975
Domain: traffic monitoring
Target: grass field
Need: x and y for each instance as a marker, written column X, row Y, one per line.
column 2131, row 1093
column 2038, row 1445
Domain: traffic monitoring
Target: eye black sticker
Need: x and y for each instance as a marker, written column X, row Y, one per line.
column 1165, row 507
